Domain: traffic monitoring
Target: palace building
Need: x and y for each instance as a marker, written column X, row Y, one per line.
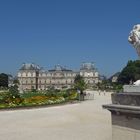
column 31, row 76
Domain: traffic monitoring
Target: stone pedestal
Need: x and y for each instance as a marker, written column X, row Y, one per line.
column 131, row 88
column 125, row 112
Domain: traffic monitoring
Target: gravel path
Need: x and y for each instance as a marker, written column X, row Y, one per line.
column 82, row 121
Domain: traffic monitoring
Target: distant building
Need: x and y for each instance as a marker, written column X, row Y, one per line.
column 90, row 74
column 31, row 76
column 114, row 78
column 10, row 80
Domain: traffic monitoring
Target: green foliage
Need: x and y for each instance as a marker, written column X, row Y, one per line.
column 34, row 90
column 79, row 83
column 130, row 73
column 13, row 92
column 117, row 87
column 31, row 94
column 103, row 85
column 3, row 80
column 69, row 94
column 16, row 82
column 13, row 99
column 73, row 95
column 3, row 97
column 42, row 100
column 108, row 85
column 52, row 92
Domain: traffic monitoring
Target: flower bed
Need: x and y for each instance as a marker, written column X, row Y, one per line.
column 30, row 99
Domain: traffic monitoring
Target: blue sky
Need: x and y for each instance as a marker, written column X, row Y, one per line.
column 67, row 32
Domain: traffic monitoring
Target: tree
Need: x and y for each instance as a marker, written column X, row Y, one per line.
column 130, row 73
column 13, row 91
column 3, row 80
column 13, row 96
column 16, row 81
column 105, row 84
column 79, row 83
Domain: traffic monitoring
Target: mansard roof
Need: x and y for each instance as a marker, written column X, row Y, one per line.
column 29, row 66
column 59, row 68
column 87, row 66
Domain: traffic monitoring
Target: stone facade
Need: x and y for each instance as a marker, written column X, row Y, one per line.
column 31, row 76
column 114, row 78
column 131, row 88
column 89, row 73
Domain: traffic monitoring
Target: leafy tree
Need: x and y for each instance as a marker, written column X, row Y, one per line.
column 104, row 85
column 130, row 73
column 79, row 83
column 13, row 96
column 3, row 80
column 13, row 91
column 16, row 82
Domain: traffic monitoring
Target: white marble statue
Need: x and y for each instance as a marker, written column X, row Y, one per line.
column 137, row 83
column 134, row 38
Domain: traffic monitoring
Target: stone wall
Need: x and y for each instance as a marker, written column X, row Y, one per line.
column 125, row 112
column 125, row 127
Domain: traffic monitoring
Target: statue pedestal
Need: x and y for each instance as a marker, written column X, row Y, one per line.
column 125, row 112
column 131, row 88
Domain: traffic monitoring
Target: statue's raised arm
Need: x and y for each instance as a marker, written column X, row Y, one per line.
column 134, row 38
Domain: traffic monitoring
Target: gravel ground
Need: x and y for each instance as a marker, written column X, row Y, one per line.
column 82, row 121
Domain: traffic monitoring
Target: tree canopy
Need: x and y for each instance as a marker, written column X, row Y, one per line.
column 3, row 80
column 79, row 83
column 130, row 73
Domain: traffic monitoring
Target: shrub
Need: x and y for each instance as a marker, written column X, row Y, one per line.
column 13, row 91
column 73, row 95
column 31, row 94
column 3, row 96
